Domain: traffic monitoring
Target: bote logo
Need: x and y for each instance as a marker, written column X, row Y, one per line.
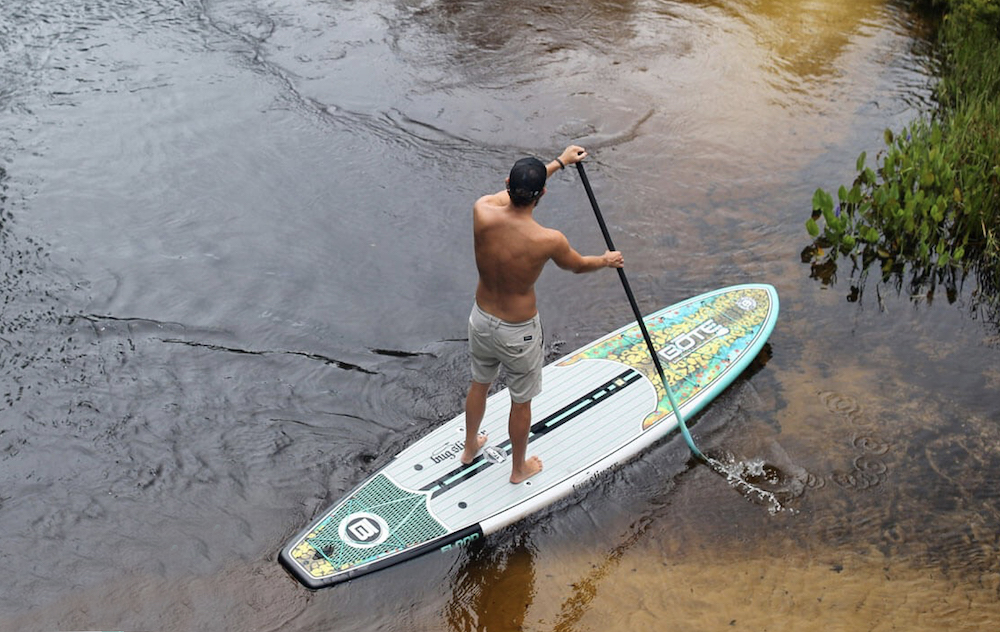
column 363, row 530
column 682, row 345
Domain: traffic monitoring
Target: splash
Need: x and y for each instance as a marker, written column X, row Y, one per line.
column 760, row 482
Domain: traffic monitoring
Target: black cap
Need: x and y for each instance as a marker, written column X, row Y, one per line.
column 527, row 180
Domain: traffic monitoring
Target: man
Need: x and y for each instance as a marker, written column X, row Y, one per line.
column 504, row 328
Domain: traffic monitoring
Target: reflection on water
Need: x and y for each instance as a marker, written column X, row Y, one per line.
column 494, row 587
column 803, row 39
column 235, row 267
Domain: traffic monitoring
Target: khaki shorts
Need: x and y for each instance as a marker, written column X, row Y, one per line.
column 516, row 346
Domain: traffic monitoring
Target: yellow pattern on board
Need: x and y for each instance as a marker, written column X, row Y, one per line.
column 313, row 564
column 740, row 312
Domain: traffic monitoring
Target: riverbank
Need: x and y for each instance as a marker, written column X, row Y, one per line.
column 968, row 94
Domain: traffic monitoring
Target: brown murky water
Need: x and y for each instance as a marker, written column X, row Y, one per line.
column 236, row 266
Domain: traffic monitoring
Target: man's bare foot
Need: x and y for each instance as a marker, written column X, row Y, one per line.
column 466, row 457
column 532, row 466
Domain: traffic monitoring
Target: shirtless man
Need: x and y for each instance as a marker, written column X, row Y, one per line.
column 504, row 328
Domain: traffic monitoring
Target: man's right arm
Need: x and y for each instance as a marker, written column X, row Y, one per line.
column 569, row 259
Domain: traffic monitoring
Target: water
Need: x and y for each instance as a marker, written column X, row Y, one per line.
column 235, row 265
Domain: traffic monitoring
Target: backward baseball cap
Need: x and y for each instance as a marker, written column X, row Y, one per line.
column 527, row 180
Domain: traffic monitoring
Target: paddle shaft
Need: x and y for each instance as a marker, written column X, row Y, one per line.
column 638, row 315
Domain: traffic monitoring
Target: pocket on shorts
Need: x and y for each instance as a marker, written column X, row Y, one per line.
column 519, row 340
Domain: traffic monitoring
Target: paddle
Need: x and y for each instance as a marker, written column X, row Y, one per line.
column 638, row 317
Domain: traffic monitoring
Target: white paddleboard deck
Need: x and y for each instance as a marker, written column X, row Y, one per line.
column 600, row 405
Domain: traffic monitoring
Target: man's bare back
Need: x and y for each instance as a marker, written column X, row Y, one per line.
column 511, row 250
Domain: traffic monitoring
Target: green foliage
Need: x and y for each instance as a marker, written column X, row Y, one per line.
column 932, row 200
column 910, row 206
column 971, row 15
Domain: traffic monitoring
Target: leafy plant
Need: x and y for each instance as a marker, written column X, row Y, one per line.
column 908, row 207
column 932, row 199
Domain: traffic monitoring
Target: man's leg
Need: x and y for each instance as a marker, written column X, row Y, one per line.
column 518, row 426
column 475, row 408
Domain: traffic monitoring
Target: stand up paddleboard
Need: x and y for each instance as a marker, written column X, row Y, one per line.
column 601, row 405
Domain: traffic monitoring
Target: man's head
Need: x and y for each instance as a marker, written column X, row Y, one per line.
column 527, row 181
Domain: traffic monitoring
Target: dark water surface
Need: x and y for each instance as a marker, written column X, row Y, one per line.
column 236, row 265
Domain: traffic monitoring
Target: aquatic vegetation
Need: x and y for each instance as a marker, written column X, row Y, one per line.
column 931, row 203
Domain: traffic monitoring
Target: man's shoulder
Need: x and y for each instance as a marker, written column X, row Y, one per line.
column 496, row 200
column 551, row 234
